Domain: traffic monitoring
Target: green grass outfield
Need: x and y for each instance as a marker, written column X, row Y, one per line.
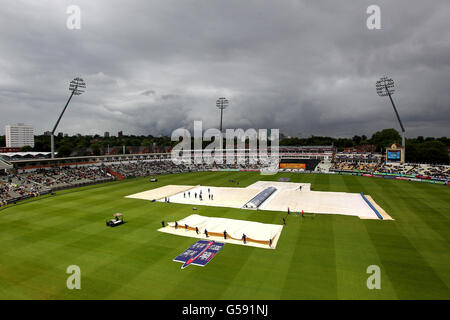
column 321, row 258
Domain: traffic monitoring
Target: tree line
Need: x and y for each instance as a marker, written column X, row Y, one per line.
column 419, row 149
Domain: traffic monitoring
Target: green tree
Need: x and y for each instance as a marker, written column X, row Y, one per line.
column 385, row 138
column 96, row 149
column 357, row 140
column 64, row 150
column 412, row 153
column 433, row 152
column 26, row 149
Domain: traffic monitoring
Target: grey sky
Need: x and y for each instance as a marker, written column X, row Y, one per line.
column 305, row 67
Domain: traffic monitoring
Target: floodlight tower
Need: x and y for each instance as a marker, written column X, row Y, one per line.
column 77, row 87
column 222, row 104
column 385, row 87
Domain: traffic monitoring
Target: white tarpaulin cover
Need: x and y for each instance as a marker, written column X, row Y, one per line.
column 295, row 196
column 321, row 202
column 234, row 228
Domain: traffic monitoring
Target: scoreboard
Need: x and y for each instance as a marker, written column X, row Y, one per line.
column 394, row 155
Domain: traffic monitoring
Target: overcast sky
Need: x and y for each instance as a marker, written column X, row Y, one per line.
column 304, row 67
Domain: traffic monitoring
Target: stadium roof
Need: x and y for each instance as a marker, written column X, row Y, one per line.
column 25, row 154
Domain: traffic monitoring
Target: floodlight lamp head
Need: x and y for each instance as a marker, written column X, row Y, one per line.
column 77, row 85
column 222, row 103
column 385, row 87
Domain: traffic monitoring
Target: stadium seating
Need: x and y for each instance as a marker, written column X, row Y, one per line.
column 15, row 186
column 437, row 172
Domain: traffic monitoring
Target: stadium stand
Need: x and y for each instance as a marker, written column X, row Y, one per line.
column 17, row 186
column 359, row 157
column 422, row 171
column 324, row 166
column 32, row 177
column 14, row 188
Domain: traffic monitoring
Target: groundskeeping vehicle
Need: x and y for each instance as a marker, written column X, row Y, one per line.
column 116, row 221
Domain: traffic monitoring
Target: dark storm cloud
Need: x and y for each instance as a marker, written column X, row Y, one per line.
column 148, row 92
column 305, row 67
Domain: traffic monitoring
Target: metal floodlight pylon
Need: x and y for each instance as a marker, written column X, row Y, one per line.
column 77, row 86
column 221, row 103
column 385, row 87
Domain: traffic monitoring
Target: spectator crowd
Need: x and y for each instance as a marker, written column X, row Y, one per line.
column 424, row 171
column 19, row 185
